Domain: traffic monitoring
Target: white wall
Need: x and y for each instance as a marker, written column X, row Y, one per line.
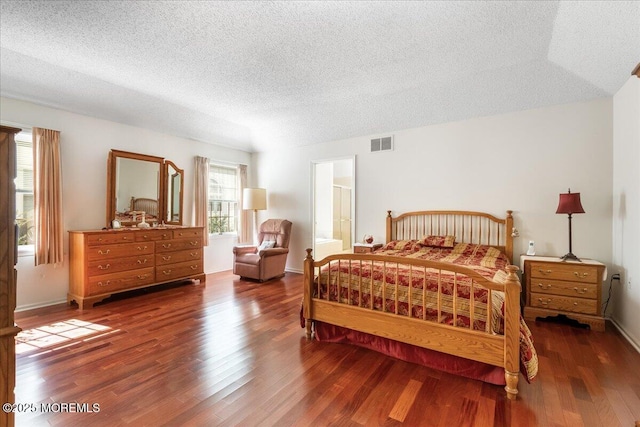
column 626, row 208
column 520, row 161
column 85, row 144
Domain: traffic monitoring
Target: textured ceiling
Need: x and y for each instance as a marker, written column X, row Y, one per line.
column 266, row 75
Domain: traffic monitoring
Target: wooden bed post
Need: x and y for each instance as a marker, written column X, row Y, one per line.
column 389, row 224
column 508, row 249
column 512, row 332
column 308, row 289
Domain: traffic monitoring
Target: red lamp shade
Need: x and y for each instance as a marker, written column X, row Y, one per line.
column 569, row 203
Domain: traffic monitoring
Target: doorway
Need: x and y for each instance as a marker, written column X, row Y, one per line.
column 333, row 206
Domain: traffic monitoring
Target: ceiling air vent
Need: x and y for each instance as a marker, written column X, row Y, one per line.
column 382, row 144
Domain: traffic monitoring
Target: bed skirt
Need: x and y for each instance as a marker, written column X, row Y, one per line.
column 326, row 332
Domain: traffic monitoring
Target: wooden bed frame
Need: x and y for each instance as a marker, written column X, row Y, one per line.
column 468, row 227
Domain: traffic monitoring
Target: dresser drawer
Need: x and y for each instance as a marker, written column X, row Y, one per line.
column 568, row 272
column 562, row 303
column 570, row 289
column 119, row 281
column 153, row 235
column 176, row 271
column 188, row 232
column 178, row 245
column 114, row 265
column 119, row 250
column 178, row 256
column 110, row 237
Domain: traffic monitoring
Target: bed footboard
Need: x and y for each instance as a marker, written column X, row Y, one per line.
column 439, row 306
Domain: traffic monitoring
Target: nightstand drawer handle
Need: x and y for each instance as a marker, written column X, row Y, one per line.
column 542, row 286
column 144, row 261
column 105, row 252
column 580, row 275
column 544, row 271
column 107, row 283
column 580, row 291
column 544, row 302
column 142, row 248
column 104, row 267
column 166, row 245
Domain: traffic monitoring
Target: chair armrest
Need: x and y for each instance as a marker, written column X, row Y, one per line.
column 273, row 251
column 246, row 249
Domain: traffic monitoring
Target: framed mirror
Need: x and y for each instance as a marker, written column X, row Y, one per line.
column 174, row 184
column 137, row 190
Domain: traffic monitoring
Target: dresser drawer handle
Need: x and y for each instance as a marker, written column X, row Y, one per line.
column 142, row 248
column 194, row 267
column 194, row 254
column 580, row 275
column 194, row 243
column 166, row 272
column 104, row 267
column 144, row 261
column 124, row 237
column 142, row 276
column 166, row 258
column 164, row 235
column 575, row 303
column 544, row 271
column 543, row 302
column 542, row 286
column 166, row 245
column 580, row 291
column 107, row 283
column 105, row 252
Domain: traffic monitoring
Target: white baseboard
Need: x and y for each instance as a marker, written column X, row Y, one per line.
column 39, row 305
column 624, row 334
column 294, row 270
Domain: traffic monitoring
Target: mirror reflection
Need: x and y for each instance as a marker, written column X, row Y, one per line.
column 174, row 193
column 137, row 190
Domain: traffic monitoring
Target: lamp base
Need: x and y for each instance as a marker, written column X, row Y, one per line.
column 570, row 257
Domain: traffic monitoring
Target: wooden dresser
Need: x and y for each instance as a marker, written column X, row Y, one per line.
column 573, row 289
column 104, row 262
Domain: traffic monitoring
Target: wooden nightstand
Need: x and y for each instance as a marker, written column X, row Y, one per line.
column 365, row 248
column 573, row 289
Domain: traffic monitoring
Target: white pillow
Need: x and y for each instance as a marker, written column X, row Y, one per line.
column 266, row 244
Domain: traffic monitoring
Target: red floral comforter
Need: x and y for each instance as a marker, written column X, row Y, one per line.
column 373, row 285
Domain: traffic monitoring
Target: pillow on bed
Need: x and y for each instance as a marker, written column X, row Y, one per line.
column 399, row 245
column 438, row 241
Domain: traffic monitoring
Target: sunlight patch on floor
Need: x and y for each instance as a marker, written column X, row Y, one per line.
column 57, row 335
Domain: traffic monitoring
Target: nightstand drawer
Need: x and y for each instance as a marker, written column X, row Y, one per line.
column 360, row 248
column 562, row 303
column 571, row 272
column 570, row 289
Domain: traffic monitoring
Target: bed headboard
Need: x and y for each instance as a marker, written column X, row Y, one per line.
column 150, row 206
column 467, row 226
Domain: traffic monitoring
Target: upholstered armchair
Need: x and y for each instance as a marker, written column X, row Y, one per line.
column 267, row 260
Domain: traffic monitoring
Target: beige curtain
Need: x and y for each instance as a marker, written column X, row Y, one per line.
column 201, row 198
column 47, row 189
column 244, row 230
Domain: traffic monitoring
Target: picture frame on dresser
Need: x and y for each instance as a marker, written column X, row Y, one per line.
column 572, row 289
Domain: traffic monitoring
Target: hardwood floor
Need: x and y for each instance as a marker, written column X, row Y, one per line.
column 233, row 353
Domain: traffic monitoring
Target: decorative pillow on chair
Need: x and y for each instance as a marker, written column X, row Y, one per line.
column 438, row 241
column 267, row 244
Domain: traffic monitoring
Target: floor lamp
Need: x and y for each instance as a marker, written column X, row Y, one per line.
column 570, row 204
column 254, row 199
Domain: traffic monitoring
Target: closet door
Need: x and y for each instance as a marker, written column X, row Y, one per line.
column 8, row 259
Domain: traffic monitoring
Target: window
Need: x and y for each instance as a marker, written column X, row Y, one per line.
column 223, row 199
column 24, row 188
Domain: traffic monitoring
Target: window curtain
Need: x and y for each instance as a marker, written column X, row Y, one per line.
column 244, row 231
column 201, row 198
column 47, row 190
